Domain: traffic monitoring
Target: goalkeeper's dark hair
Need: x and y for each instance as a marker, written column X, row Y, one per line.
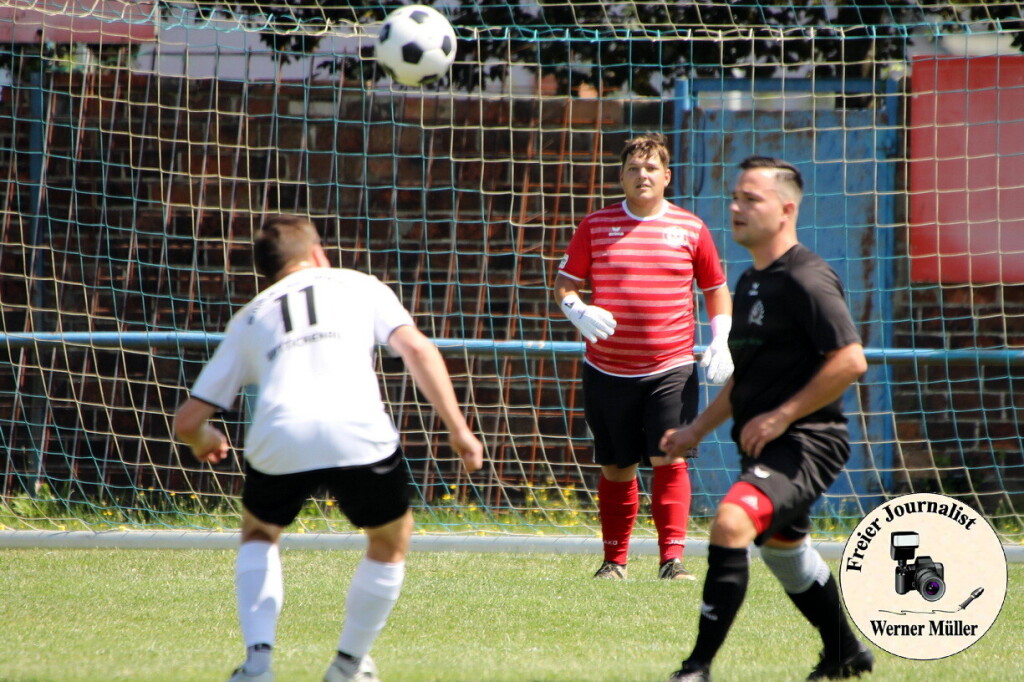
column 786, row 174
column 283, row 239
column 646, row 146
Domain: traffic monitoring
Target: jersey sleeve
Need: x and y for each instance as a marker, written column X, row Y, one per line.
column 826, row 317
column 707, row 266
column 577, row 259
column 225, row 374
column 390, row 314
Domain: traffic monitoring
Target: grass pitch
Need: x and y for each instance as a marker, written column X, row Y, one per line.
column 154, row 615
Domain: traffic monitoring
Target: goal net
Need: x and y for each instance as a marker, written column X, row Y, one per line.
column 140, row 145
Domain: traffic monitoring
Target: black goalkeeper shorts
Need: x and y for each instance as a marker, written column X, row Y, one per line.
column 629, row 415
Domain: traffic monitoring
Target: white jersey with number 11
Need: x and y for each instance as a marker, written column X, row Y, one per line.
column 308, row 344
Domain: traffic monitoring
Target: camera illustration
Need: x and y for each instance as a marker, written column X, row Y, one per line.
column 924, row 575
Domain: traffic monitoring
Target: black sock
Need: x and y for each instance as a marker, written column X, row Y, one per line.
column 724, row 588
column 820, row 605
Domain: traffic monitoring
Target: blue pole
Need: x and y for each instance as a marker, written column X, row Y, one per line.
column 209, row 340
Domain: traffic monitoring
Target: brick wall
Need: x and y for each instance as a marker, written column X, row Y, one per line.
column 959, row 423
column 153, row 188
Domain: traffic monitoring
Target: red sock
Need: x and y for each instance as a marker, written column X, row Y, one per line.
column 670, row 508
column 617, row 503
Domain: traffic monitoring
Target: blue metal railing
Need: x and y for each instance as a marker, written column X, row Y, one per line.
column 195, row 340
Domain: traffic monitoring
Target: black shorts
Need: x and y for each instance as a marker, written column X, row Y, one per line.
column 794, row 471
column 369, row 496
column 629, row 415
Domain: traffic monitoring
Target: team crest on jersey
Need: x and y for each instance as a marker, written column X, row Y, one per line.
column 756, row 314
column 677, row 236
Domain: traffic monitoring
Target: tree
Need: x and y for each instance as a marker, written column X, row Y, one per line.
column 644, row 47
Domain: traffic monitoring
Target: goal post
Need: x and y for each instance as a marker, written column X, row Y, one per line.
column 135, row 173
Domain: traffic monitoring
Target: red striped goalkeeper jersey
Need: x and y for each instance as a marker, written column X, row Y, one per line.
column 643, row 270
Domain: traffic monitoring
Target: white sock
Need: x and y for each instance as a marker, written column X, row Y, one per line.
column 259, row 589
column 371, row 595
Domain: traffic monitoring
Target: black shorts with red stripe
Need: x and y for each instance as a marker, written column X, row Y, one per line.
column 794, row 471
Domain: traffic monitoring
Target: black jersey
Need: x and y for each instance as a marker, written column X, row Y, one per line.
column 785, row 319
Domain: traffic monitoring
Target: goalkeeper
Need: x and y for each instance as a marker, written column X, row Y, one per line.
column 307, row 342
column 642, row 257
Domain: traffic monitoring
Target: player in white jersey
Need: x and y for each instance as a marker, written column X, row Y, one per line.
column 307, row 343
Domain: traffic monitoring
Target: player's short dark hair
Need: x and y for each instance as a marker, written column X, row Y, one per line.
column 281, row 240
column 785, row 171
column 647, row 145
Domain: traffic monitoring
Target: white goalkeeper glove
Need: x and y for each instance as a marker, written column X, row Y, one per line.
column 594, row 322
column 717, row 360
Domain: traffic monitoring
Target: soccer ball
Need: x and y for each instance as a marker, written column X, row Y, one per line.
column 416, row 45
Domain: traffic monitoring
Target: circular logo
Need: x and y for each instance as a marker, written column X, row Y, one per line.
column 923, row 576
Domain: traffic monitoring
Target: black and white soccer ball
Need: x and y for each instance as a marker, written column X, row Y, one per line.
column 416, row 45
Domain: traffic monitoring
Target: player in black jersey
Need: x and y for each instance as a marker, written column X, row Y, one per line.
column 796, row 351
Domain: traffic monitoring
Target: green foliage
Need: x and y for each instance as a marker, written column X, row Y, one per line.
column 126, row 510
column 543, row 509
column 644, row 47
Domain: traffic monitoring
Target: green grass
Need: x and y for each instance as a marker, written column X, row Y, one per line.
column 156, row 615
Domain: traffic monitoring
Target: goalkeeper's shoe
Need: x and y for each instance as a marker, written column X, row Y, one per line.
column 673, row 570
column 611, row 571
column 241, row 676
column 343, row 670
